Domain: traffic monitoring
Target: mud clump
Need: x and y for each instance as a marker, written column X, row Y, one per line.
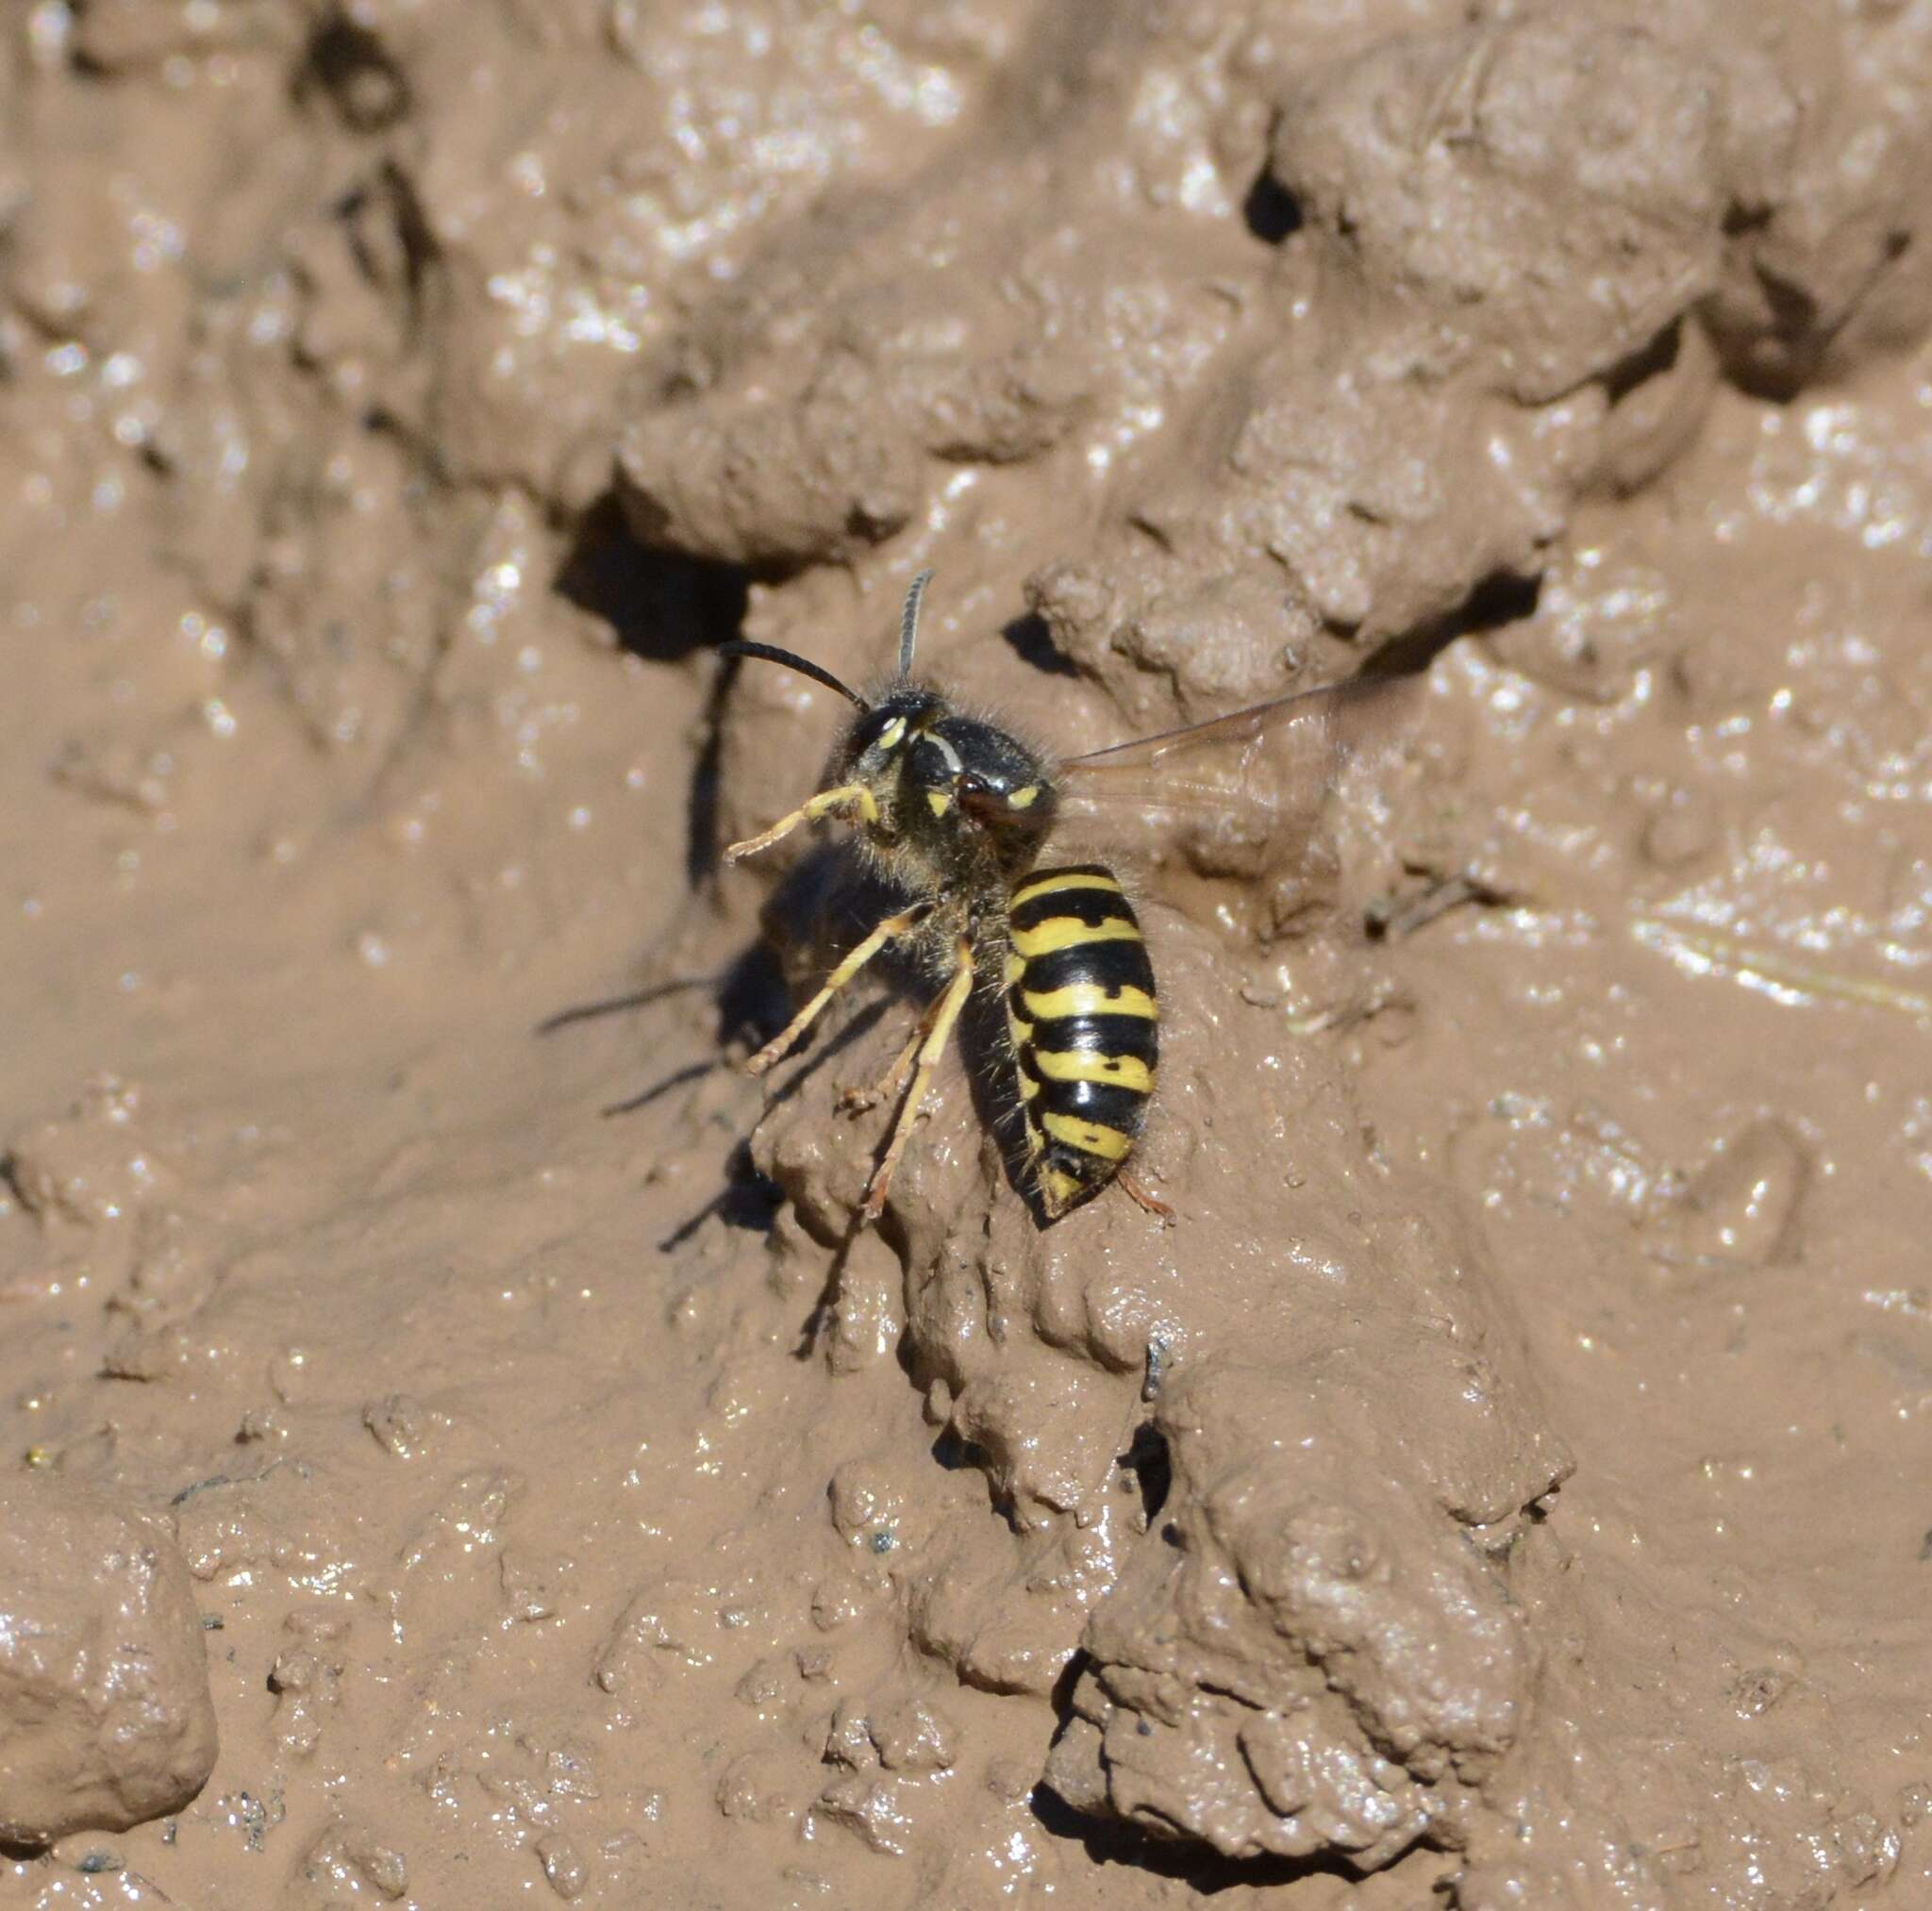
column 105, row 1719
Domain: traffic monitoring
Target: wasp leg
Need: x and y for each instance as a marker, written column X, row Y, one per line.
column 826, row 803
column 945, row 1019
column 888, row 931
column 855, row 1101
column 1150, row 1202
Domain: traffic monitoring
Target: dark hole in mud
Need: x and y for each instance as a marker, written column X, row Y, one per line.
column 1501, row 598
column 1061, row 1697
column 348, row 65
column 1777, row 365
column 957, row 1455
column 1648, row 361
column 1793, row 306
column 1032, row 640
column 413, row 230
column 1411, row 907
column 1272, row 212
column 1148, row 1459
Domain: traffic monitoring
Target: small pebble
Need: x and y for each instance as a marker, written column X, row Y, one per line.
column 563, row 1865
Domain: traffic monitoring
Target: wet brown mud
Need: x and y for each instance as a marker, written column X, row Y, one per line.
column 457, row 1447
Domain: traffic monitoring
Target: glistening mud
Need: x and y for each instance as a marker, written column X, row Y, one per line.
column 1500, row 1487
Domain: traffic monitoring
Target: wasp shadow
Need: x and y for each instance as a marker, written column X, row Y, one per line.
column 748, row 1006
column 823, row 907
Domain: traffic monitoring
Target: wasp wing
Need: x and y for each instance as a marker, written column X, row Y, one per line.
column 1239, row 794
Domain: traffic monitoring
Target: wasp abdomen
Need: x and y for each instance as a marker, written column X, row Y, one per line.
column 1081, row 1011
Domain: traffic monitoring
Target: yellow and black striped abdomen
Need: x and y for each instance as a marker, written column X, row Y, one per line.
column 1080, row 1008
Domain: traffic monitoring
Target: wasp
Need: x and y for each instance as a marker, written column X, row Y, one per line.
column 955, row 815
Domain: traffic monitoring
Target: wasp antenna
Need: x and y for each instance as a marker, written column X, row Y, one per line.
column 791, row 660
column 908, row 622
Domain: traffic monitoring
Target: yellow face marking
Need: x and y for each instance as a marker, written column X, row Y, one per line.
column 938, row 801
column 1024, row 799
column 1060, row 1190
column 893, row 734
column 1053, row 885
column 1069, row 932
column 1086, row 998
column 1090, row 1137
column 1079, row 1065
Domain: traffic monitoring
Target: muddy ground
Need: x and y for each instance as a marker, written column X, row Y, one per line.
column 458, row 1449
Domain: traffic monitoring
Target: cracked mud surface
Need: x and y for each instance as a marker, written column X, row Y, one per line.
column 1500, row 1487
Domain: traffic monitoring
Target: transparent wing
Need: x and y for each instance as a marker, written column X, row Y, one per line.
column 1241, row 793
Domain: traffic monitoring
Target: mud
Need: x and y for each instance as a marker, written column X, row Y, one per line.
column 1500, row 1487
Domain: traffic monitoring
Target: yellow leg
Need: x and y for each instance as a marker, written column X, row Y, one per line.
column 856, row 1100
column 888, row 931
column 826, row 803
column 950, row 1006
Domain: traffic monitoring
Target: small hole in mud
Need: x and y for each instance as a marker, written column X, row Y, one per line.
column 1271, row 210
column 958, row 1455
column 1172, row 1535
column 662, row 604
column 1061, row 1697
column 1648, row 361
column 349, row 64
column 1148, row 1459
column 1503, row 597
column 1031, row 638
